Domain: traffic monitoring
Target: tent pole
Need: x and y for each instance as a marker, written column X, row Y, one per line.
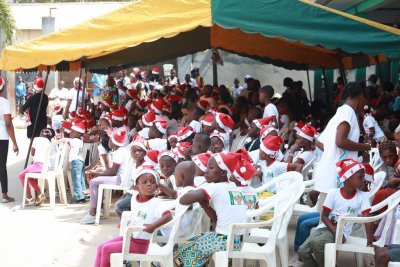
column 309, row 86
column 378, row 66
column 326, row 86
column 79, row 88
column 37, row 117
column 84, row 90
column 343, row 74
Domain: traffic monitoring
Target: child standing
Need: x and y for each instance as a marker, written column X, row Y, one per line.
column 76, row 160
column 265, row 96
column 57, row 118
column 147, row 211
column 346, row 201
column 227, row 201
column 39, row 149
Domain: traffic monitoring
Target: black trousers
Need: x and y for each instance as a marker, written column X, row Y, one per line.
column 3, row 165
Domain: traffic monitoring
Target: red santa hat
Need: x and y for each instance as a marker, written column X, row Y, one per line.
column 157, row 105
column 266, row 130
column 172, row 98
column 138, row 144
column 182, row 149
column 145, row 169
column 78, row 125
column 244, row 154
column 106, row 101
column 152, row 157
column 271, row 145
column 227, row 161
column 181, row 88
column 208, row 119
column 149, row 118
column 183, row 133
column 72, row 115
column 369, row 172
column 171, row 136
column 155, row 71
column 264, row 121
column 168, row 153
column 57, row 107
column 66, row 125
column 166, row 108
column 308, row 132
column 224, row 121
column 119, row 137
column 38, row 84
column 220, row 136
column 114, row 107
column 136, row 71
column 298, row 125
column 108, row 118
column 118, row 115
column 76, row 79
column 346, row 168
column 141, row 104
column 111, row 80
column 244, row 171
column 227, row 108
column 90, row 123
column 2, row 83
column 161, row 125
column 201, row 160
column 203, row 104
column 132, row 93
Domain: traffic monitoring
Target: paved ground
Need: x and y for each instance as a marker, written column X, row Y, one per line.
column 41, row 237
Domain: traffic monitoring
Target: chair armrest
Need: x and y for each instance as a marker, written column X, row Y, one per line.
column 127, row 237
column 309, row 183
column 262, row 209
column 265, row 186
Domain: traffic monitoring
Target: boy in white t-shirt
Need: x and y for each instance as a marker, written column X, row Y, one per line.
column 167, row 161
column 346, row 201
column 39, row 149
column 265, row 96
column 156, row 133
column 147, row 211
column 201, row 161
column 228, row 208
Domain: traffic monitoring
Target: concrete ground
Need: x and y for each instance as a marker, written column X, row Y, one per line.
column 41, row 237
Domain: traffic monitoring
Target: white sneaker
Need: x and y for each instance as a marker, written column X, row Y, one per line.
column 88, row 219
column 298, row 264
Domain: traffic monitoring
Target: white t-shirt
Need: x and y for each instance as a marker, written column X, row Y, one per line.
column 144, row 133
column 158, row 144
column 368, row 123
column 121, row 157
column 76, row 152
column 339, row 206
column 227, row 201
column 56, row 121
column 271, row 110
column 40, row 144
column 5, row 110
column 305, row 156
column 249, row 196
column 199, row 181
column 325, row 172
column 236, row 91
column 146, row 212
column 59, row 93
column 73, row 96
column 284, row 123
column 273, row 170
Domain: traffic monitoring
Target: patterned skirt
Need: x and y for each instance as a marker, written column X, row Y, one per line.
column 197, row 250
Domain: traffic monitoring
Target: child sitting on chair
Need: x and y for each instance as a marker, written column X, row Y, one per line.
column 201, row 161
column 167, row 161
column 301, row 151
column 345, row 201
column 39, row 149
column 228, row 208
column 147, row 211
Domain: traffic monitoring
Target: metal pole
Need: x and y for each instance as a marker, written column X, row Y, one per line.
column 84, row 90
column 37, row 117
column 378, row 66
column 79, row 88
column 309, row 86
column 326, row 88
column 343, row 74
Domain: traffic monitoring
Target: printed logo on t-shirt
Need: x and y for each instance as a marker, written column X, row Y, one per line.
column 236, row 198
column 269, row 175
column 142, row 215
column 250, row 201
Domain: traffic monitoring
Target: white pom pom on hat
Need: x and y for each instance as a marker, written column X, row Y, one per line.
column 242, row 169
column 338, row 169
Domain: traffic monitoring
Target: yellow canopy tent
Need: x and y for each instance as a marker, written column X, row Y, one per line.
column 287, row 33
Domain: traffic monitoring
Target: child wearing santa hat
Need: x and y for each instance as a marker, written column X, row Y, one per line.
column 271, row 167
column 114, row 175
column 167, row 161
column 156, row 133
column 219, row 142
column 254, row 132
column 344, row 201
column 228, row 207
column 201, row 161
column 57, row 117
column 303, row 146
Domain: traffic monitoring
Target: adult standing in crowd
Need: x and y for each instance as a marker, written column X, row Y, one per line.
column 6, row 132
column 32, row 105
column 58, row 95
column 20, row 93
column 340, row 139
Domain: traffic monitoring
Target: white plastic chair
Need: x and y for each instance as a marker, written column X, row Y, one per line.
column 375, row 159
column 155, row 253
column 396, row 240
column 282, row 202
column 306, row 168
column 377, row 183
column 261, row 235
column 356, row 244
column 106, row 190
column 52, row 172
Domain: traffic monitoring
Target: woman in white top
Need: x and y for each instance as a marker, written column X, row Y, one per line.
column 340, row 139
column 6, row 132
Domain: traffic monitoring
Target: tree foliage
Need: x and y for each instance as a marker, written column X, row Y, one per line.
column 7, row 24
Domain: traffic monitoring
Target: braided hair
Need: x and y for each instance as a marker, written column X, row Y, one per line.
column 387, row 145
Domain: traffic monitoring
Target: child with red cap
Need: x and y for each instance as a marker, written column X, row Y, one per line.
column 303, row 146
column 228, row 207
column 347, row 200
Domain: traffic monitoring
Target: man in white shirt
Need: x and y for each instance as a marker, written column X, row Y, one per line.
column 58, row 95
column 265, row 96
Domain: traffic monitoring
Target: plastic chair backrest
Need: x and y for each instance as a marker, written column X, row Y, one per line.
column 306, row 168
column 392, row 202
column 126, row 176
column 374, row 158
column 61, row 147
column 286, row 179
column 377, row 183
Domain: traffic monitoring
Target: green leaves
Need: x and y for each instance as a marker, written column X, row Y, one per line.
column 7, row 24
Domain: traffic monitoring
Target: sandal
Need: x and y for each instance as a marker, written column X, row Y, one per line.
column 7, row 200
column 29, row 201
column 40, row 199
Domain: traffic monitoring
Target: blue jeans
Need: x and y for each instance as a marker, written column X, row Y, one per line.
column 78, row 178
column 305, row 223
column 123, row 204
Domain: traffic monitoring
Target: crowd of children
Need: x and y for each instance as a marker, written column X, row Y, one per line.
column 198, row 144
